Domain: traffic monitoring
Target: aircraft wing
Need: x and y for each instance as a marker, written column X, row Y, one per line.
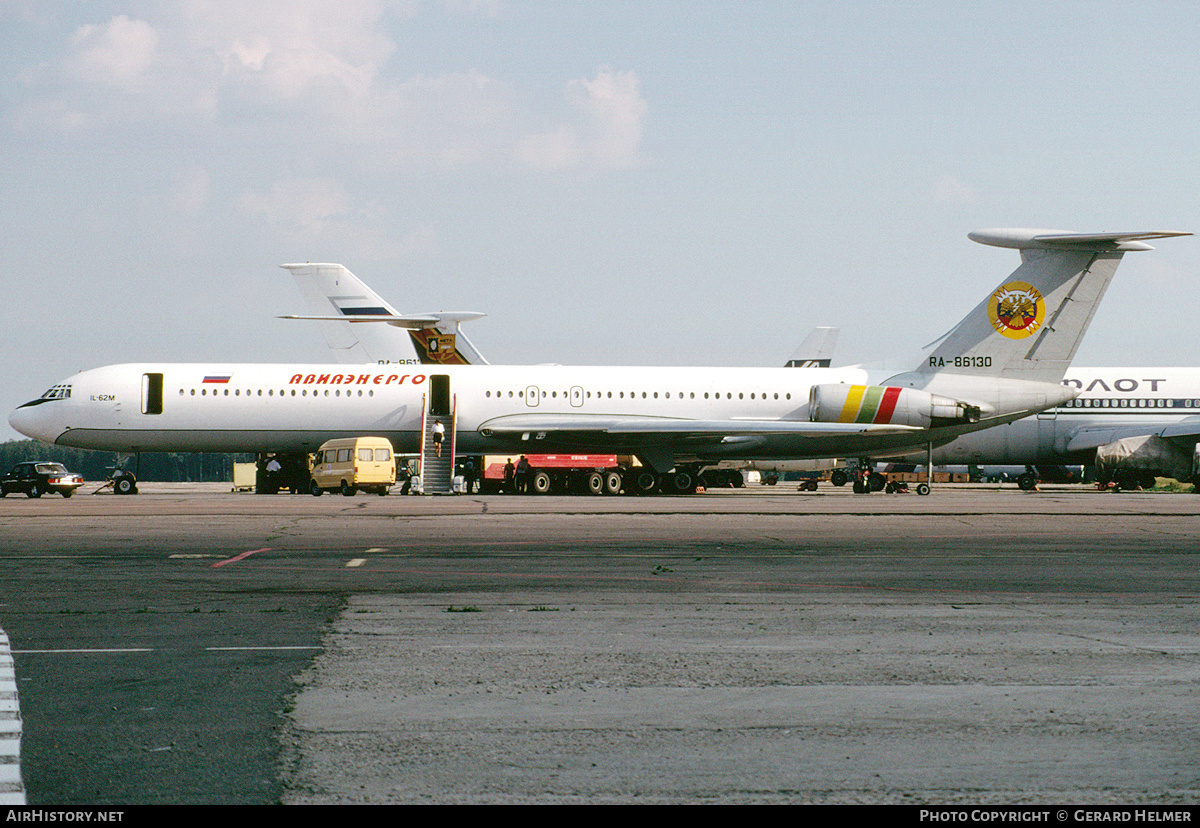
column 1088, row 438
column 672, row 427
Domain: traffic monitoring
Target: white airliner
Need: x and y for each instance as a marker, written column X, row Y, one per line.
column 1004, row 361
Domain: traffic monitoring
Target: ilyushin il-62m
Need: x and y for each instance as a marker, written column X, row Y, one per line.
column 1005, row 360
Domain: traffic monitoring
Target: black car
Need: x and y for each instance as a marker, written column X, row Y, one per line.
column 38, row 478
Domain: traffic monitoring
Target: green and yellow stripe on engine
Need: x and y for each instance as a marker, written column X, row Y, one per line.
column 869, row 404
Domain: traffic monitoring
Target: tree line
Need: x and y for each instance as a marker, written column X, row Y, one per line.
column 162, row 467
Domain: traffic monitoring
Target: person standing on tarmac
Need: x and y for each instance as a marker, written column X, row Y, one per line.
column 522, row 476
column 510, row 473
column 470, row 475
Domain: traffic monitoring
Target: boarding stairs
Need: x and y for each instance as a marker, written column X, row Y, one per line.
column 437, row 473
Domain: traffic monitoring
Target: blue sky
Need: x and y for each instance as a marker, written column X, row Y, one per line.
column 666, row 183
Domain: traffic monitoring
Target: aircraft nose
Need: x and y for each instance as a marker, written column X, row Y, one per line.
column 31, row 422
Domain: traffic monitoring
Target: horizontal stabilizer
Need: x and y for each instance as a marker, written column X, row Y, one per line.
column 1024, row 239
column 410, row 321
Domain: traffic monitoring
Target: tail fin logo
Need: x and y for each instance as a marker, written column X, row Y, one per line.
column 1017, row 310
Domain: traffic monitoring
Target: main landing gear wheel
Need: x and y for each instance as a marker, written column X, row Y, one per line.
column 646, row 482
column 682, row 483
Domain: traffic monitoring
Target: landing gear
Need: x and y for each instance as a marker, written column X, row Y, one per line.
column 923, row 488
column 645, row 481
column 681, row 482
column 124, row 483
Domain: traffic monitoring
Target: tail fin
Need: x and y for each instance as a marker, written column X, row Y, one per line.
column 338, row 299
column 1030, row 326
column 816, row 351
column 445, row 343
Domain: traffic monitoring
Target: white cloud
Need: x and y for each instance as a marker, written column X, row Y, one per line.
column 615, row 109
column 117, row 53
column 606, row 131
column 286, row 51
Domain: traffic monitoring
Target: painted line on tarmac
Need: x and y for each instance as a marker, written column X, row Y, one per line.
column 297, row 647
column 12, row 788
column 356, row 562
column 121, row 650
column 240, row 557
column 92, row 650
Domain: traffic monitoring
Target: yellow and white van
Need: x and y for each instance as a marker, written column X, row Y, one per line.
column 352, row 463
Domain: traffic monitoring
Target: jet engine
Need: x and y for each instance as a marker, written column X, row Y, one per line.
column 886, row 404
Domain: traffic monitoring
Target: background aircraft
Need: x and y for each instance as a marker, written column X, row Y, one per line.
column 360, row 323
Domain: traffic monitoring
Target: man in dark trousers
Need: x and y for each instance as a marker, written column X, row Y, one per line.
column 522, row 475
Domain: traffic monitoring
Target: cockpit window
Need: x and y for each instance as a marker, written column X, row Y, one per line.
column 58, row 392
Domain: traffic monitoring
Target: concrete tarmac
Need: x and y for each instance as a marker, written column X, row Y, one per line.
column 980, row 645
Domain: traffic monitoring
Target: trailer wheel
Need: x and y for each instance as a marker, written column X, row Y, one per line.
column 839, row 477
column 877, row 481
column 540, row 483
column 595, row 483
column 612, row 483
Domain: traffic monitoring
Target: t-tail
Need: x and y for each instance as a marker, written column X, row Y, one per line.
column 1030, row 326
column 340, row 301
column 1007, row 358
